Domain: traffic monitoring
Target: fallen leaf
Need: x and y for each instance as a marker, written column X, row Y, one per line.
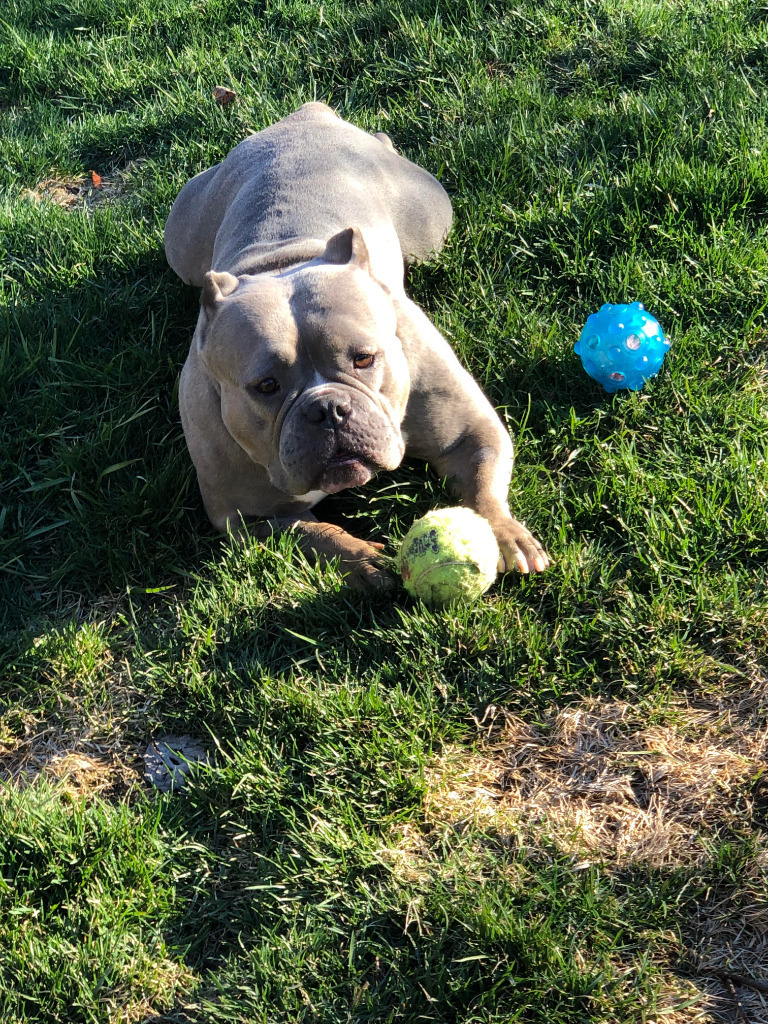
column 224, row 96
column 96, row 179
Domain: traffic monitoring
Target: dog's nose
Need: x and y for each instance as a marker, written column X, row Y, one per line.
column 330, row 410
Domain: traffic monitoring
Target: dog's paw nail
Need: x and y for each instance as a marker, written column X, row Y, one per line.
column 381, row 582
column 540, row 563
column 371, row 578
column 522, row 562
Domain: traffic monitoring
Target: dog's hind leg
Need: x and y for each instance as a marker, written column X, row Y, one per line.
column 189, row 236
column 418, row 204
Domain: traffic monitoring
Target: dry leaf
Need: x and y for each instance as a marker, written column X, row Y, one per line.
column 96, row 179
column 224, row 96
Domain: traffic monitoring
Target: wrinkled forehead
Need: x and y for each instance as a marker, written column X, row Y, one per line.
column 260, row 308
column 336, row 303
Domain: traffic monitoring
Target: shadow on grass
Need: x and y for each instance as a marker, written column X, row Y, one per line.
column 97, row 482
column 465, row 925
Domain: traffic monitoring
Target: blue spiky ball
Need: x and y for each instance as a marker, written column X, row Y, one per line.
column 622, row 346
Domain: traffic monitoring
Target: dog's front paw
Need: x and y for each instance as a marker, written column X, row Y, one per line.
column 364, row 568
column 519, row 548
column 360, row 561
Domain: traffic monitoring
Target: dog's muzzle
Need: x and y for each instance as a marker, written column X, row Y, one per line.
column 335, row 436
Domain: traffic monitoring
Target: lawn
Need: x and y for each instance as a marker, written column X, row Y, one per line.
column 547, row 807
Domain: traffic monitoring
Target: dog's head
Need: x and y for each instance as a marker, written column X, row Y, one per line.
column 313, row 379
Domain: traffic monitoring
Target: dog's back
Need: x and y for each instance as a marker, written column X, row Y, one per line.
column 306, row 177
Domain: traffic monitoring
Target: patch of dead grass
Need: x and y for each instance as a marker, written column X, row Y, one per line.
column 729, row 943
column 88, row 743
column 409, row 857
column 84, row 191
column 680, row 1001
column 724, row 945
column 606, row 786
column 159, row 981
column 69, row 193
column 79, row 764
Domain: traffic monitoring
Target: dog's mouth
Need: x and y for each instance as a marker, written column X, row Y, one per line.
column 345, row 469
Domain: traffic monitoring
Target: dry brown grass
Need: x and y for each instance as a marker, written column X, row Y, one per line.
column 159, row 980
column 88, row 743
column 84, row 191
column 730, row 939
column 726, row 943
column 605, row 785
column 69, row 193
column 71, row 756
column 409, row 857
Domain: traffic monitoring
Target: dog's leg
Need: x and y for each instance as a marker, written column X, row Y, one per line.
column 359, row 560
column 479, row 468
column 452, row 425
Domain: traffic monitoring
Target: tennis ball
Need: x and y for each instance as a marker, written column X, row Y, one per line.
column 449, row 554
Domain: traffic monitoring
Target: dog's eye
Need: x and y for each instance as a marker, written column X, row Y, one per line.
column 362, row 361
column 268, row 386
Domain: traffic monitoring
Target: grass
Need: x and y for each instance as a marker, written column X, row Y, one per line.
column 366, row 846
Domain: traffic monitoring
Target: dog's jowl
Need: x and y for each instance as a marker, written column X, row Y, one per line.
column 310, row 370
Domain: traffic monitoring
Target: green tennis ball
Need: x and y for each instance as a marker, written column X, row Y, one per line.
column 449, row 554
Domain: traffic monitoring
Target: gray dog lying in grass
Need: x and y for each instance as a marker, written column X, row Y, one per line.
column 310, row 370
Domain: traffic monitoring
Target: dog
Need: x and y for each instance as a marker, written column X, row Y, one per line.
column 310, row 370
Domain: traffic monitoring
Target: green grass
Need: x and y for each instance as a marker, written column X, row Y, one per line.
column 593, row 151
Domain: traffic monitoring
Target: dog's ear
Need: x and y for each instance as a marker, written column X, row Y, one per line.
column 348, row 246
column 217, row 286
